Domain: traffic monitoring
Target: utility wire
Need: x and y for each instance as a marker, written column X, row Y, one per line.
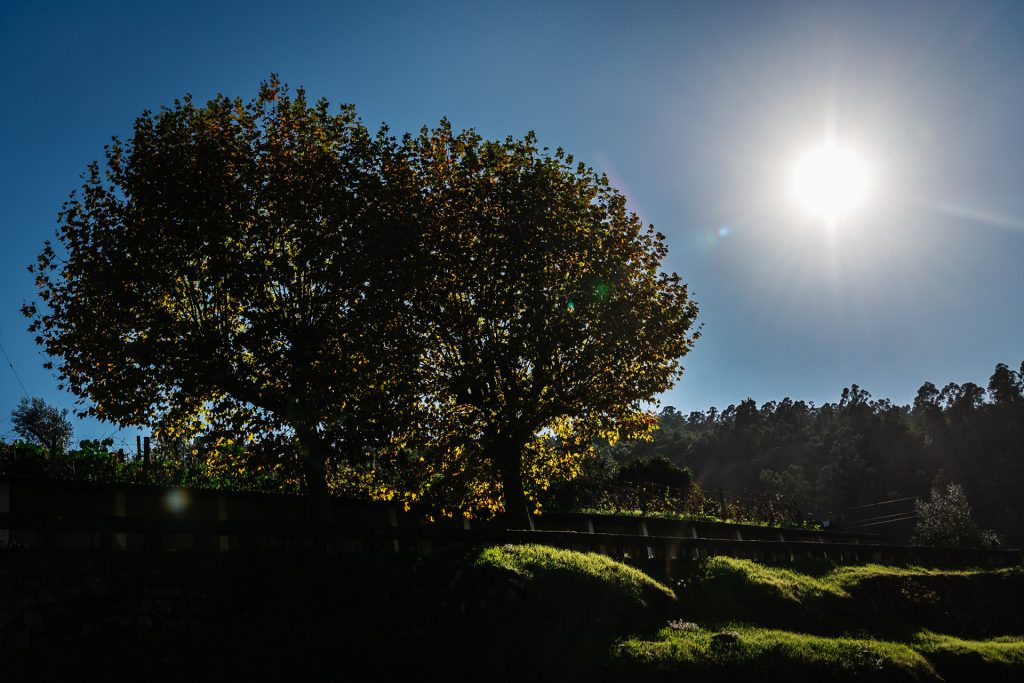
column 889, row 521
column 8, row 358
column 871, row 505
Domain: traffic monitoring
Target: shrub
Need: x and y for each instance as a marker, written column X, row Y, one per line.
column 945, row 521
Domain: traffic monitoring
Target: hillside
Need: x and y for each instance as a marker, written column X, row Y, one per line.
column 501, row 613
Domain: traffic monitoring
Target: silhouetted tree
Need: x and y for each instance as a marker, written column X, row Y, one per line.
column 547, row 313
column 40, row 423
column 657, row 470
column 239, row 269
column 1006, row 386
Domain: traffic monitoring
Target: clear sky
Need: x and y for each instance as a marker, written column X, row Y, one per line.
column 698, row 112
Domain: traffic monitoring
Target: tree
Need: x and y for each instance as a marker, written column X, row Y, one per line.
column 40, row 423
column 1006, row 387
column 546, row 314
column 657, row 470
column 945, row 520
column 239, row 270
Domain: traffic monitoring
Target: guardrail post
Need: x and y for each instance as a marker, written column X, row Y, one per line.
column 782, row 539
column 643, row 532
column 693, row 535
column 5, row 506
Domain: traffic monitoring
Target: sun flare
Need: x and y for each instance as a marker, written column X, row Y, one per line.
column 830, row 181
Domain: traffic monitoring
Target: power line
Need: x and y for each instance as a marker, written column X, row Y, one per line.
column 871, row 505
column 4, row 351
column 889, row 521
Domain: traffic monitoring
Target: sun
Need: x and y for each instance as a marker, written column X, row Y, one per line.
column 830, row 181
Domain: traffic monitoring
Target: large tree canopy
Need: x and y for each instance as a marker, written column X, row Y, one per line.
column 238, row 267
column 471, row 314
column 548, row 319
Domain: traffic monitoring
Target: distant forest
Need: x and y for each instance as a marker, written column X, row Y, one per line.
column 856, row 451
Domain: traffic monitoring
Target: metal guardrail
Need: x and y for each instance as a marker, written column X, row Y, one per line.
column 170, row 534
column 75, row 515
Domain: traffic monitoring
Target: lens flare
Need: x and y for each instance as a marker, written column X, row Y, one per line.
column 176, row 500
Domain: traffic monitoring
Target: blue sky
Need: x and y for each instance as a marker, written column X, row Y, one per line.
column 697, row 111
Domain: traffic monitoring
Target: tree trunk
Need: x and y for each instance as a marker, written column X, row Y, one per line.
column 315, row 470
column 517, row 510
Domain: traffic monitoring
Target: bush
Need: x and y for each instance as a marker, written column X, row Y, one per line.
column 945, row 521
column 95, row 461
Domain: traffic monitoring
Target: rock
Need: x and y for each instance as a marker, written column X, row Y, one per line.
column 724, row 639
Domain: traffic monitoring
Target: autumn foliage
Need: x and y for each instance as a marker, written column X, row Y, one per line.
column 441, row 317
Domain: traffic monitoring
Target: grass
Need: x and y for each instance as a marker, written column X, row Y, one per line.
column 771, row 654
column 812, row 581
column 862, row 622
column 509, row 613
column 553, row 572
column 794, row 656
column 834, row 599
column 995, row 659
column 696, row 517
column 801, row 623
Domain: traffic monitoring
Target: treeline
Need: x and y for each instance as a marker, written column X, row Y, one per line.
column 857, row 450
column 785, row 462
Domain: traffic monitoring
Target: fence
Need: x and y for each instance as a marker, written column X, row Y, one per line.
column 76, row 515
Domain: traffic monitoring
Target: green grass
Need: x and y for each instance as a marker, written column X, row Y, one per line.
column 769, row 654
column 563, row 588
column 793, row 656
column 812, row 582
column 860, row 622
column 539, row 563
column 845, row 576
column 834, row 599
column 515, row 613
column 695, row 517
column 995, row 659
column 723, row 589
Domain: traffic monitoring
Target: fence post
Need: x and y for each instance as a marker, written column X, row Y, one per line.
column 5, row 506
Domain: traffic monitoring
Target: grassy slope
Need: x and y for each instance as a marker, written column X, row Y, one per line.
column 523, row 613
column 846, row 623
